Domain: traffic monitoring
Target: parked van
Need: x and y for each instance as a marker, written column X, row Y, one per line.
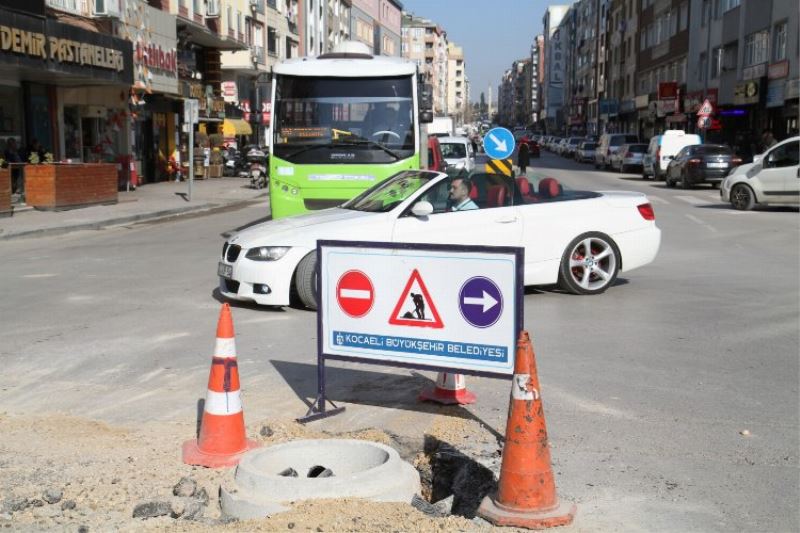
column 609, row 143
column 458, row 152
column 663, row 149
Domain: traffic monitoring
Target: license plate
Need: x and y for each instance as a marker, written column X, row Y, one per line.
column 225, row 271
column 717, row 165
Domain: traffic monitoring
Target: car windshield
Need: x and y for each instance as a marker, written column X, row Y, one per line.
column 589, row 146
column 388, row 194
column 619, row 140
column 575, row 141
column 454, row 150
column 637, row 148
column 343, row 120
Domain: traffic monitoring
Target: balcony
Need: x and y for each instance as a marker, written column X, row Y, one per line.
column 76, row 7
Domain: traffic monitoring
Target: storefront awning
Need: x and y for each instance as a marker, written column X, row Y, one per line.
column 235, row 126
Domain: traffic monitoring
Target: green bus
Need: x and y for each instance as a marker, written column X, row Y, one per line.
column 341, row 122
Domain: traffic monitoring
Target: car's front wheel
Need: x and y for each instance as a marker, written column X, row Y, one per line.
column 305, row 281
column 590, row 264
column 742, row 197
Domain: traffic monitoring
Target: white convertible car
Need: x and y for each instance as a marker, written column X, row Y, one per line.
column 578, row 239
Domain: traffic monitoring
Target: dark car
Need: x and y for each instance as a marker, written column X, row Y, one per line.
column 701, row 163
column 533, row 146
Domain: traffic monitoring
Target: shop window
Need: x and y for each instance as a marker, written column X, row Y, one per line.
column 72, row 132
column 10, row 112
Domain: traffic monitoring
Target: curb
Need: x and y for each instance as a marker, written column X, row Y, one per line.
column 154, row 215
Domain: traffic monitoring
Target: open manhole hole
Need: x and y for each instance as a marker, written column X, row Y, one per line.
column 266, row 478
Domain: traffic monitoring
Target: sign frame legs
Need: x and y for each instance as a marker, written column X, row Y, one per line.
column 318, row 409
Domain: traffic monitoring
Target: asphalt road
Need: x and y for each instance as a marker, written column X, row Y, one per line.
column 647, row 388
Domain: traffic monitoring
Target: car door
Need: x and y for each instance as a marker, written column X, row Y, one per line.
column 491, row 224
column 780, row 173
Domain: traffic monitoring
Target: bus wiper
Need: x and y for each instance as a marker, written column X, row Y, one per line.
column 306, row 149
column 367, row 142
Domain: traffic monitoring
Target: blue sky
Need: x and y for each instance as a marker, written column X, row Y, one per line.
column 493, row 33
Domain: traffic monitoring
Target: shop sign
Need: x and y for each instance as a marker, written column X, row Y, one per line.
column 609, row 107
column 230, row 92
column 627, row 106
column 33, row 7
column 792, row 89
column 754, row 72
column 266, row 112
column 678, row 118
column 778, row 70
column 747, row 93
column 775, row 93
column 692, row 101
column 666, row 107
column 642, row 101
column 667, row 90
column 37, row 43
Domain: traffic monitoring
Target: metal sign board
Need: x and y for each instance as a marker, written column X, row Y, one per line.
column 432, row 307
column 498, row 143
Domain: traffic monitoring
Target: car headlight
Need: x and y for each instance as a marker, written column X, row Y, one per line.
column 267, row 253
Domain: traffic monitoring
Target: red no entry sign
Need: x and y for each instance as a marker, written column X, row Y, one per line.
column 355, row 293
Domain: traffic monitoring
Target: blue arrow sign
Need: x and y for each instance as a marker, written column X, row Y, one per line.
column 480, row 301
column 498, row 143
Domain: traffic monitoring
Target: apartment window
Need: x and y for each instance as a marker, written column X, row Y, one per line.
column 643, row 40
column 364, row 31
column 272, row 41
column 239, row 22
column 705, row 14
column 198, row 7
column 272, row 4
column 755, row 48
column 229, row 12
column 730, row 4
column 716, row 62
column 779, row 41
column 684, row 10
column 388, row 45
column 730, row 56
column 418, row 48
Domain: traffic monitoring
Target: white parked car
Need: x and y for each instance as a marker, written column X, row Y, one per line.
column 458, row 152
column 579, row 239
column 772, row 178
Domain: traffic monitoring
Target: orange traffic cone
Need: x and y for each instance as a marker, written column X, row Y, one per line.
column 526, row 494
column 450, row 389
column 222, row 438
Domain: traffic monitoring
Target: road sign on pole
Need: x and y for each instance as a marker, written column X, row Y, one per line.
column 706, row 109
column 498, row 143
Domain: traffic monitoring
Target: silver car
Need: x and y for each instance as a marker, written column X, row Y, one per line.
column 627, row 157
column 585, row 152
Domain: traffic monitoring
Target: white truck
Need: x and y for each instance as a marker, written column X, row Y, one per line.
column 441, row 127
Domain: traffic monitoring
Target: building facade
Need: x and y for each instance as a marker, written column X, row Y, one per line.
column 743, row 58
column 457, row 86
column 553, row 85
column 425, row 42
column 377, row 23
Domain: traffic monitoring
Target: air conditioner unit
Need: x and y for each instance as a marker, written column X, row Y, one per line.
column 212, row 9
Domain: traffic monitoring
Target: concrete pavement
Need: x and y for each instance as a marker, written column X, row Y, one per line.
column 147, row 202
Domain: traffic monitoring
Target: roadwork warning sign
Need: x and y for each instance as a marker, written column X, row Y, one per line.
column 415, row 306
column 423, row 306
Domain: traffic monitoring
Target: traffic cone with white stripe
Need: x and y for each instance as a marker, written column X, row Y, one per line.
column 526, row 492
column 222, row 439
column 450, row 389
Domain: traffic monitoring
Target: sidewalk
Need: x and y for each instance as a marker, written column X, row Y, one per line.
column 147, row 202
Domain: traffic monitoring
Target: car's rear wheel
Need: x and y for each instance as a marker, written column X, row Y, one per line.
column 590, row 264
column 305, row 281
column 685, row 183
column 742, row 197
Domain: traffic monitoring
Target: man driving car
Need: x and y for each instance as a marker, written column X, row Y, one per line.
column 459, row 195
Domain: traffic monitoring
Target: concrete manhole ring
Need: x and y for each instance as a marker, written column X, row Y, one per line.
column 316, row 469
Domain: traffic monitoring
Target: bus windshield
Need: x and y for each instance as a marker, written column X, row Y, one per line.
column 343, row 120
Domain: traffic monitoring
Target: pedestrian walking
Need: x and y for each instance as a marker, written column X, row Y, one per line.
column 523, row 157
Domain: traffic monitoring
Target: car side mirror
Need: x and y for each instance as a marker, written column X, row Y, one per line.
column 422, row 209
column 670, row 157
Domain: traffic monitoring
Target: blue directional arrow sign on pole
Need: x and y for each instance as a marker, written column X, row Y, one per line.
column 498, row 143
